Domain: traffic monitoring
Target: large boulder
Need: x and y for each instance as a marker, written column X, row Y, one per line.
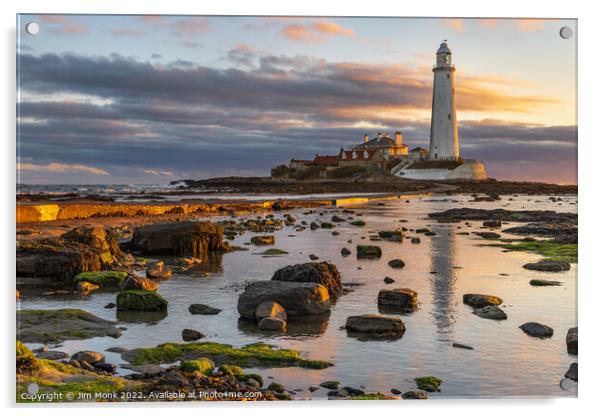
column 104, row 240
column 272, row 324
column 181, row 239
column 140, row 300
column 270, row 310
column 375, row 326
column 298, row 299
column 404, row 299
column 571, row 341
column 106, row 279
column 480, row 301
column 91, row 357
column 324, row 273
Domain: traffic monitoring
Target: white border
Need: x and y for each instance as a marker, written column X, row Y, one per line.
column 590, row 50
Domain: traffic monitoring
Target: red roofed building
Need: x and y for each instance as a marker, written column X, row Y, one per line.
column 360, row 157
column 325, row 161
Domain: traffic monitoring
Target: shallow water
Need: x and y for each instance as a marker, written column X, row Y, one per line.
column 505, row 362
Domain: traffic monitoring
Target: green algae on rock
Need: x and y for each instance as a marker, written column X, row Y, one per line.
column 252, row 355
column 55, row 325
column 549, row 249
column 140, row 300
column 104, row 279
column 428, row 383
column 202, row 365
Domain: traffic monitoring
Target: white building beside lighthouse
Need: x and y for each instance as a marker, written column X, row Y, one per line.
column 444, row 124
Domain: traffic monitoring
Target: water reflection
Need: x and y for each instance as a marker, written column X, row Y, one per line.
column 140, row 317
column 296, row 326
column 443, row 281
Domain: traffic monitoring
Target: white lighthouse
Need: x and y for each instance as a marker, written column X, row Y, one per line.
column 444, row 126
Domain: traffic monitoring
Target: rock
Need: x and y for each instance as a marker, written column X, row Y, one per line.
column 389, row 280
column 492, row 224
column 394, row 235
column 272, row 324
column 395, row 391
column 313, row 257
column 336, row 218
column 404, row 299
column 571, row 341
column 488, row 235
column 251, row 382
column 324, row 273
column 428, row 383
column 270, row 310
column 537, row 330
column 506, row 215
column 572, row 372
column 491, row 312
column 277, row 387
column 57, row 325
column 375, row 326
column 180, row 239
column 396, row 263
column 119, row 350
column 106, row 367
column 106, row 279
column 414, row 395
column 313, row 226
column 415, row 240
column 140, row 300
column 330, row 384
column 85, row 365
column 200, row 309
column 74, row 363
column 191, row 335
column 358, row 223
column 298, row 299
column 368, row 252
column 542, row 282
column 52, row 355
column 263, row 240
column 327, row 225
column 202, row 365
column 133, row 282
column 90, row 357
column 350, row 391
column 312, row 388
column 110, row 305
column 104, row 240
column 462, row 346
column 157, row 270
column 480, row 301
column 186, row 262
column 548, row 266
column 345, row 252
column 86, row 287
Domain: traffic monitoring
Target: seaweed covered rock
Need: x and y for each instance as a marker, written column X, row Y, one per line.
column 548, row 266
column 369, row 252
column 298, row 299
column 202, row 365
column 104, row 240
column 104, row 279
column 324, row 273
column 140, row 300
column 41, row 325
column 181, row 239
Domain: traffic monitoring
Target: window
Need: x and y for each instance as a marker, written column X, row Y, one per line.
column 447, row 76
column 449, row 116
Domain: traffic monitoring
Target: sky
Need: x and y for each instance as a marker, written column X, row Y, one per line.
column 154, row 99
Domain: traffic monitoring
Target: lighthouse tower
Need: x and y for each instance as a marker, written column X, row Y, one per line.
column 444, row 126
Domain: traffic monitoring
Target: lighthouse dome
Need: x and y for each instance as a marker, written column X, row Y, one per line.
column 443, row 48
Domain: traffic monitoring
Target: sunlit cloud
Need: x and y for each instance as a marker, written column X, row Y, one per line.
column 530, row 25
column 158, row 172
column 314, row 32
column 63, row 25
column 190, row 26
column 488, row 22
column 455, row 24
column 61, row 168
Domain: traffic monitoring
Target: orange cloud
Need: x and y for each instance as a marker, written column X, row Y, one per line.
column 315, row 32
column 191, row 26
column 455, row 24
column 61, row 167
column 62, row 25
column 530, row 25
column 488, row 22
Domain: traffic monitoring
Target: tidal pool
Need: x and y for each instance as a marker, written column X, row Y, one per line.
column 505, row 361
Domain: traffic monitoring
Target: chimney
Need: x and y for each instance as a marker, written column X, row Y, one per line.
column 366, row 138
column 398, row 139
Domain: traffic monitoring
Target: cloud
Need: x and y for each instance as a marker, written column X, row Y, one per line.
column 63, row 25
column 488, row 22
column 158, row 172
column 530, row 25
column 190, row 26
column 178, row 116
column 127, row 32
column 61, row 167
column 316, row 31
column 455, row 24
